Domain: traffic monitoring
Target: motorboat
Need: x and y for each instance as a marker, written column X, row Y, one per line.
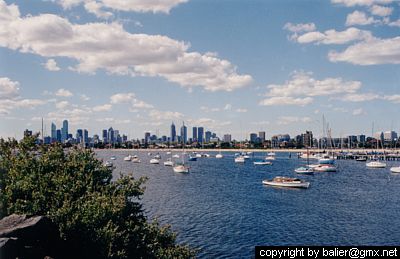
column 135, row 159
column 169, row 153
column 175, row 156
column 157, row 156
column 375, row 164
column 180, row 168
column 198, row 155
column 192, row 158
column 113, row 158
column 326, row 161
column 262, row 163
column 361, row 159
column 304, row 170
column 154, row 161
column 270, row 158
column 219, row 155
column 108, row 164
column 246, row 156
column 325, row 168
column 169, row 162
column 239, row 159
column 395, row 169
column 128, row 158
column 206, row 155
column 271, row 154
column 287, row 182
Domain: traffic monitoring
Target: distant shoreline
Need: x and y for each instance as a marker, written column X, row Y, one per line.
column 253, row 150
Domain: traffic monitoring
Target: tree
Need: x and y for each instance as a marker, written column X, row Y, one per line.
column 98, row 217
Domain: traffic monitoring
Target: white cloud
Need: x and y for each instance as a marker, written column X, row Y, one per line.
column 392, row 98
column 302, row 84
column 51, row 65
column 208, row 109
column 84, row 97
column 358, row 111
column 102, row 108
column 301, row 27
column 164, row 115
column 129, row 98
column 359, row 18
column 395, row 23
column 98, row 7
column 285, row 120
column 63, row 93
column 350, row 3
column 285, row 100
column 386, row 51
column 381, row 10
column 241, row 110
column 334, row 37
column 117, row 51
column 359, row 97
column 62, row 105
column 8, row 89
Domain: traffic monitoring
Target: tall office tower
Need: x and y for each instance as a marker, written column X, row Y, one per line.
column 64, row 131
column 173, row 132
column 110, row 136
column 59, row 135
column 261, row 135
column 208, row 136
column 146, row 137
column 53, row 132
column 184, row 133
column 194, row 138
column 200, row 134
column 79, row 135
column 104, row 136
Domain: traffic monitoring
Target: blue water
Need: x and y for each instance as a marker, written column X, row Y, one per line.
column 223, row 209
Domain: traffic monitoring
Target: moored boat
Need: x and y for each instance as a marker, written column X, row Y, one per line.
column 375, row 164
column 395, row 169
column 281, row 181
column 304, row 170
column 128, row 158
column 181, row 169
column 169, row 162
column 325, row 168
column 219, row 155
column 154, row 161
column 239, row 159
column 262, row 163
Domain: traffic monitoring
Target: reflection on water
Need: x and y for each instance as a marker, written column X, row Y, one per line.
column 222, row 207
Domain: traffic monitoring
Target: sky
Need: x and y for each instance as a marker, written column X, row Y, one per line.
column 232, row 66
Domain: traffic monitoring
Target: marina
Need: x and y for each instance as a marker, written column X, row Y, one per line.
column 224, row 209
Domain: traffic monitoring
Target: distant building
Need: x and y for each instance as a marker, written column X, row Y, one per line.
column 227, row 138
column 53, row 132
column 79, row 136
column 352, row 141
column 253, row 137
column 64, row 131
column 110, row 136
column 194, row 134
column 389, row 136
column 307, row 139
column 261, row 135
column 146, row 137
column 184, row 133
column 361, row 139
column 208, row 136
column 27, row 133
column 58, row 135
column 104, row 136
column 85, row 136
column 200, row 134
column 173, row 132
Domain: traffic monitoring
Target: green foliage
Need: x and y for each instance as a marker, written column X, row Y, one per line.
column 76, row 191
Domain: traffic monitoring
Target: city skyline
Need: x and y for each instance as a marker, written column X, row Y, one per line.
column 233, row 67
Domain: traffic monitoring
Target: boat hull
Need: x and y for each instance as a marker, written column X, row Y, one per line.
column 287, row 184
column 376, row 165
column 395, row 169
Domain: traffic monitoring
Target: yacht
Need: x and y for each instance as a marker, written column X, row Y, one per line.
column 181, row 169
column 287, row 182
column 376, row 164
column 135, row 159
column 169, row 162
column 113, row 158
column 128, row 158
column 175, row 156
column 395, row 169
column 304, row 170
column 154, row 161
column 262, row 163
column 270, row 158
column 239, row 159
column 325, row 168
column 219, row 155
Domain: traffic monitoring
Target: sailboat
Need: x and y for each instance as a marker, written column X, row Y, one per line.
column 219, row 155
column 305, row 169
column 181, row 168
column 377, row 164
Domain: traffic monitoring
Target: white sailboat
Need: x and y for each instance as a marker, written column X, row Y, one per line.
column 181, row 168
column 377, row 164
column 395, row 169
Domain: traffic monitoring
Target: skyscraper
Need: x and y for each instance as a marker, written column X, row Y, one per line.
column 64, row 131
column 146, row 137
column 53, row 132
column 110, row 136
column 261, row 135
column 208, row 136
column 184, row 133
column 79, row 135
column 85, row 136
column 58, row 135
column 173, row 132
column 200, row 134
column 194, row 138
column 253, row 137
column 104, row 136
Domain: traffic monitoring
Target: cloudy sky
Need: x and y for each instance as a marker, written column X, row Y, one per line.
column 232, row 66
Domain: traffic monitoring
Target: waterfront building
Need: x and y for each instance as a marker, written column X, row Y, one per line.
column 227, row 138
column 184, row 133
column 307, row 139
column 253, row 137
column 261, row 135
column 389, row 136
column 200, row 134
column 173, row 132
column 352, row 141
column 147, row 137
column 207, row 136
column 361, row 139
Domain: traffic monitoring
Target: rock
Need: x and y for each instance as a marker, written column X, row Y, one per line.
column 29, row 237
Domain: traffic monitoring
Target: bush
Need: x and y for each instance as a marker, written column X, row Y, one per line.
column 97, row 217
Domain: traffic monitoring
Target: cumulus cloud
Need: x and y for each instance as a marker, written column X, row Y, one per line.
column 392, row 98
column 359, row 97
column 373, row 52
column 300, row 27
column 10, row 98
column 63, row 93
column 359, row 18
column 129, row 98
column 62, row 105
column 382, row 11
column 98, row 7
column 350, row 3
column 8, row 89
column 51, row 65
column 357, row 112
column 109, row 47
column 303, row 84
column 335, row 37
column 164, row 115
column 286, row 100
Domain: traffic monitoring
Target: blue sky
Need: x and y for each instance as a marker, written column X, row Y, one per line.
column 232, row 66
